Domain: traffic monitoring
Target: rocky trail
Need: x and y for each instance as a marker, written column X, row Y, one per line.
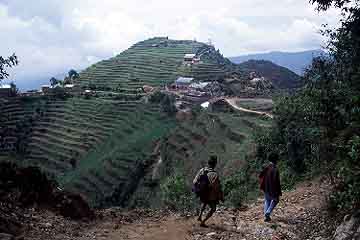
column 300, row 215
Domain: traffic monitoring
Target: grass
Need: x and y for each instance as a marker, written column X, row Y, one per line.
column 228, row 135
column 123, row 150
column 256, row 104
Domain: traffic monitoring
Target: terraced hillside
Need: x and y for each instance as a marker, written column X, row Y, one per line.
column 113, row 146
column 89, row 145
column 16, row 118
column 229, row 135
column 155, row 62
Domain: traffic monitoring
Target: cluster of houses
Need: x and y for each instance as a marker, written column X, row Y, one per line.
column 189, row 91
column 6, row 90
column 190, row 59
column 48, row 90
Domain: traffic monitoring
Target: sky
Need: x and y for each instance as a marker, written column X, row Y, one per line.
column 52, row 36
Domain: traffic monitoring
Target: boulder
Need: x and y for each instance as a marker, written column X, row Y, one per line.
column 73, row 206
column 5, row 236
column 9, row 227
column 349, row 228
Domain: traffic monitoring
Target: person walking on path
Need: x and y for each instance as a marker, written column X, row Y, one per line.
column 270, row 184
column 207, row 186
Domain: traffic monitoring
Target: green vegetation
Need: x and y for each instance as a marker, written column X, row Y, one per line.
column 7, row 63
column 317, row 129
column 241, row 187
column 153, row 62
column 229, row 135
column 176, row 193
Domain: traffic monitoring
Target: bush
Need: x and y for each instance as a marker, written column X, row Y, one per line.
column 157, row 97
column 240, row 187
column 168, row 105
column 176, row 194
column 347, row 191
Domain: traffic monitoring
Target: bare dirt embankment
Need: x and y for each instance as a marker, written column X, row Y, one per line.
column 300, row 215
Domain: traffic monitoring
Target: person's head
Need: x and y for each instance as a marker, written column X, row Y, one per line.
column 212, row 161
column 273, row 157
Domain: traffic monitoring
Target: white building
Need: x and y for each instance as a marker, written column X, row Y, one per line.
column 189, row 57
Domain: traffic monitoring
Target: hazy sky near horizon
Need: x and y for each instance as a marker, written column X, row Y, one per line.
column 52, row 36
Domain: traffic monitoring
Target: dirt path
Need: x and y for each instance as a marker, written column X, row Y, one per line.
column 232, row 102
column 299, row 215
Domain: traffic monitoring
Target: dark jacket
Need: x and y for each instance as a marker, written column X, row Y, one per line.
column 271, row 181
column 213, row 193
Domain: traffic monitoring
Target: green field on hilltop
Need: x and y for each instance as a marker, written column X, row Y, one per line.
column 155, row 62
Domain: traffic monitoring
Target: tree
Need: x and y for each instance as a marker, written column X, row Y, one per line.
column 318, row 128
column 73, row 74
column 326, row 4
column 13, row 89
column 54, row 81
column 168, row 105
column 7, row 63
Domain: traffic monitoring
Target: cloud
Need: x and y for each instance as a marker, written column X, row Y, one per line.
column 52, row 36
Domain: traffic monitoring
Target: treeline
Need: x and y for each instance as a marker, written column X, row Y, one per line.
column 317, row 130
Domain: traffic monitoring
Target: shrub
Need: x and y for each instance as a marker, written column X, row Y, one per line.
column 157, row 97
column 240, row 187
column 176, row 194
column 168, row 105
column 347, row 191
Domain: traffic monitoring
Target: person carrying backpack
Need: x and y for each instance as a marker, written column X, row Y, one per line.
column 270, row 185
column 206, row 186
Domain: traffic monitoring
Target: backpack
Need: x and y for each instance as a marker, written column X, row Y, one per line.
column 202, row 184
column 262, row 178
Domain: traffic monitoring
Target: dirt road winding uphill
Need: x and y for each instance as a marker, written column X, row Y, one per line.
column 233, row 103
column 300, row 215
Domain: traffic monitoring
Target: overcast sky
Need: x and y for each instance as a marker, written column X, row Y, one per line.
column 52, row 36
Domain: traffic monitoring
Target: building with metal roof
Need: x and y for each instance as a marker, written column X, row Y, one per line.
column 189, row 57
column 200, row 85
column 184, row 80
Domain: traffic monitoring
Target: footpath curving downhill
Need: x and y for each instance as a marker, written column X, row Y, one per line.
column 301, row 214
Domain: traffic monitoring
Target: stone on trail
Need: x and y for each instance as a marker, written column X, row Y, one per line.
column 211, row 234
column 349, row 229
column 5, row 236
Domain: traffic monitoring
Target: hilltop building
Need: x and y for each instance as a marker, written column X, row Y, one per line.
column 189, row 57
column 5, row 90
column 72, row 88
column 45, row 89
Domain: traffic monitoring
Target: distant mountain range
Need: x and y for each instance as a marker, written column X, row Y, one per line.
column 295, row 61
